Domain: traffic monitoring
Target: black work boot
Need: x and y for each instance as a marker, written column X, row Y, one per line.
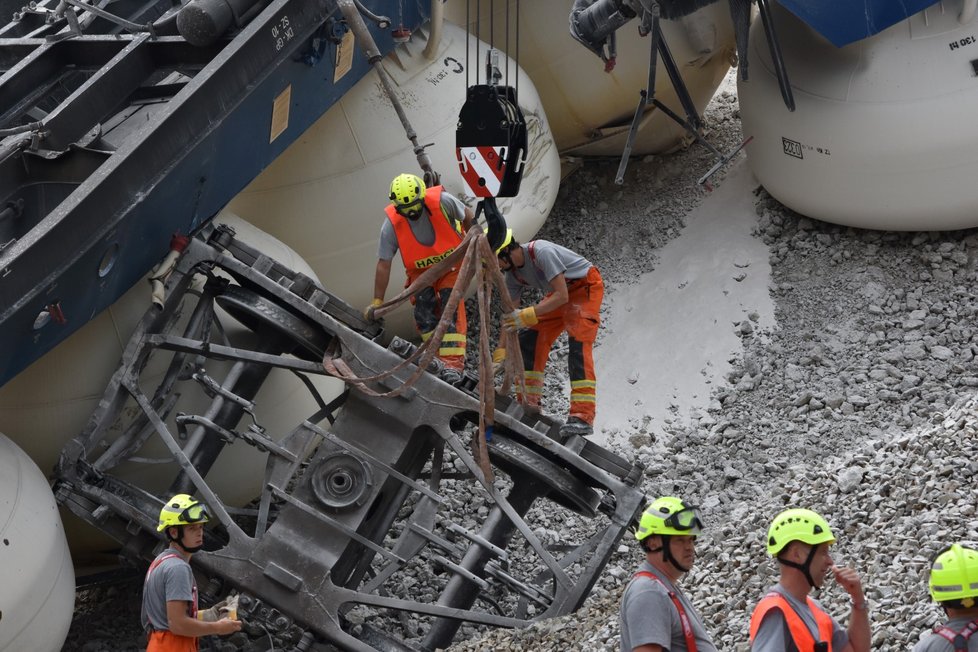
column 576, row 426
column 451, row 376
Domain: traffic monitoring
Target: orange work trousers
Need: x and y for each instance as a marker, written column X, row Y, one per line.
column 580, row 317
column 165, row 641
column 429, row 305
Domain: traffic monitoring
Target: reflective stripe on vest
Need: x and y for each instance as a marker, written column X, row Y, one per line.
column 683, row 618
column 416, row 256
column 958, row 639
column 800, row 633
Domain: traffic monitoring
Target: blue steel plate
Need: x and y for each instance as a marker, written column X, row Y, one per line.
column 845, row 21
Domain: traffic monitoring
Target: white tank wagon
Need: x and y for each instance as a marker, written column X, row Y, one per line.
column 884, row 134
column 38, row 579
column 340, row 170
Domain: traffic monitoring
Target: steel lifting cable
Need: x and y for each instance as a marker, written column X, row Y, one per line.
column 507, row 44
column 369, row 47
column 516, row 49
column 473, row 252
column 492, row 30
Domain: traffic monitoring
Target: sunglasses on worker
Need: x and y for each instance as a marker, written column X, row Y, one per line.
column 410, row 209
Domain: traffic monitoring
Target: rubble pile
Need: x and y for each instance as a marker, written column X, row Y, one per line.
column 861, row 403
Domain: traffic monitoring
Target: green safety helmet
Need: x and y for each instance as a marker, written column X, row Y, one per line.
column 797, row 525
column 669, row 516
column 407, row 191
column 182, row 510
column 508, row 240
column 954, row 576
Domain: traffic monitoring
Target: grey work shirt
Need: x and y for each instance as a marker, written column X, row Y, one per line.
column 548, row 260
column 936, row 643
column 648, row 616
column 421, row 228
column 172, row 579
column 773, row 634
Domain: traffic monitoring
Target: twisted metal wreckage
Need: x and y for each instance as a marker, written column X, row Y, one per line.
column 359, row 499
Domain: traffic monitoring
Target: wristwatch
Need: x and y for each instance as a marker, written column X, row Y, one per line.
column 861, row 606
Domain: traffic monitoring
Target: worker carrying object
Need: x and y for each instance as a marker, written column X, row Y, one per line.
column 655, row 613
column 425, row 225
column 954, row 585
column 787, row 619
column 169, row 612
column 574, row 291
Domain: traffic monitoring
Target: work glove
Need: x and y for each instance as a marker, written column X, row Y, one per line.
column 368, row 312
column 226, row 608
column 498, row 356
column 520, row 319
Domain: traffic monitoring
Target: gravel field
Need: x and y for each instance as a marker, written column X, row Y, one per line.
column 858, row 401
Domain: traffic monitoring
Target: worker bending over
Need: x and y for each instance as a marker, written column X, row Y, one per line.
column 574, row 291
column 425, row 225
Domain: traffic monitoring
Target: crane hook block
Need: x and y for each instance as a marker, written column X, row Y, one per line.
column 491, row 141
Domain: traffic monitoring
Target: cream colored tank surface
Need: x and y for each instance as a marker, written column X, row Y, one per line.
column 590, row 110
column 325, row 196
column 884, row 134
column 49, row 403
column 37, row 595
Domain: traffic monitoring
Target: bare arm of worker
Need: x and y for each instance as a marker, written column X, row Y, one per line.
column 381, row 278
column 555, row 299
column 468, row 220
column 859, row 633
column 183, row 625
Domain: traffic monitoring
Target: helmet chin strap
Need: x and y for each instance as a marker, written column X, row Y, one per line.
column 179, row 541
column 666, row 551
column 805, row 568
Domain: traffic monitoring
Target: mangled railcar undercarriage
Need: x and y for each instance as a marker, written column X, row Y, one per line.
column 372, row 526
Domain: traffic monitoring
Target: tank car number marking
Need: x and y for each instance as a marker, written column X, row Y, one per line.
column 441, row 74
column 967, row 40
column 796, row 149
column 792, row 147
column 282, row 32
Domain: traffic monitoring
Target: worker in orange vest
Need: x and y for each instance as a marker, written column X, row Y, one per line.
column 425, row 225
column 787, row 619
column 169, row 612
column 954, row 585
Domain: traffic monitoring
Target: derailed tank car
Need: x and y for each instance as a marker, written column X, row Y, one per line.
column 375, row 527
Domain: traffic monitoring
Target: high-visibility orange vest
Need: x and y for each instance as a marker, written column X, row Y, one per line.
column 800, row 633
column 416, row 256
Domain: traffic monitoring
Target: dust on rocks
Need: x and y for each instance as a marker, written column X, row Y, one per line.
column 859, row 403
